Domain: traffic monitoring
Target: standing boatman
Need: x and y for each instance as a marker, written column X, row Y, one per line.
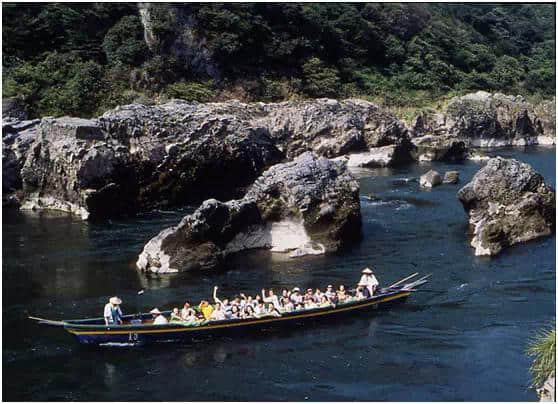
column 369, row 280
column 113, row 314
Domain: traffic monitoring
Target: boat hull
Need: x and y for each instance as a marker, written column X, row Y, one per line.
column 144, row 334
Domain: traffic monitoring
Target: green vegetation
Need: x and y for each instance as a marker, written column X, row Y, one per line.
column 83, row 58
column 543, row 349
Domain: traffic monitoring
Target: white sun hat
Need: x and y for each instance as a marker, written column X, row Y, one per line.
column 115, row 300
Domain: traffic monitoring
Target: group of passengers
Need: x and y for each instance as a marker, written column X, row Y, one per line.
column 266, row 304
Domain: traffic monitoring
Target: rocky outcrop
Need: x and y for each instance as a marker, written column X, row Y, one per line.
column 507, row 203
column 431, row 179
column 331, row 128
column 439, row 148
column 547, row 393
column 17, row 137
column 309, row 205
column 175, row 153
column 385, row 156
column 487, row 120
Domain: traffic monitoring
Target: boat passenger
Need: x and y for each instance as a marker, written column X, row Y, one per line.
column 271, row 299
column 318, row 296
column 341, row 294
column 369, row 280
column 324, row 302
column 296, row 296
column 158, row 317
column 330, row 293
column 112, row 311
column 175, row 315
column 248, row 312
column 218, row 313
column 259, row 309
column 287, row 305
column 272, row 310
column 309, row 294
column 309, row 304
column 235, row 311
column 299, row 307
column 362, row 291
column 206, row 309
column 285, row 294
column 187, row 311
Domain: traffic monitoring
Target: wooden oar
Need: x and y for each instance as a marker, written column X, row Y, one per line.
column 403, row 280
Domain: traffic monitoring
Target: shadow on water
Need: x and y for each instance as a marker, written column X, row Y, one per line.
column 462, row 338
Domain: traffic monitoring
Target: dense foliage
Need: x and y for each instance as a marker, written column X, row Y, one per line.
column 83, row 58
column 542, row 348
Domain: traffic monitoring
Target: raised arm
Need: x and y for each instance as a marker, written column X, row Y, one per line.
column 215, row 298
column 265, row 299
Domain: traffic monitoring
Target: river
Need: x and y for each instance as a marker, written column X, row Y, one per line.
column 462, row 338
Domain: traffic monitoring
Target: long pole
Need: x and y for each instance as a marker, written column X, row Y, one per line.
column 403, row 280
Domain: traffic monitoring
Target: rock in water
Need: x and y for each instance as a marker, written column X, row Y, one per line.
column 307, row 206
column 507, row 202
column 451, row 177
column 430, row 179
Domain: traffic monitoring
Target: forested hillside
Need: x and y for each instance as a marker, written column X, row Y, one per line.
column 81, row 59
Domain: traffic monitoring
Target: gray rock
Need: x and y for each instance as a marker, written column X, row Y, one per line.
column 439, row 148
column 547, row 392
column 13, row 107
column 306, row 206
column 430, row 179
column 451, row 177
column 385, row 156
column 507, row 203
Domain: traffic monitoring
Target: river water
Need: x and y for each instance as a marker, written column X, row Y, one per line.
column 463, row 338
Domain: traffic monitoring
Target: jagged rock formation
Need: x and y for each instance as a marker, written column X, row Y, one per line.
column 486, row 120
column 174, row 153
column 17, row 137
column 507, row 203
column 332, row 128
column 307, row 206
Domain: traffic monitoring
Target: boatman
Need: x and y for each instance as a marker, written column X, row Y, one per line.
column 113, row 314
column 369, row 280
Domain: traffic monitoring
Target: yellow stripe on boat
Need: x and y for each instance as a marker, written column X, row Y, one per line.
column 215, row 326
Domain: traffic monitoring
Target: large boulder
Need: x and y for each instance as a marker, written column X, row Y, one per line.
column 439, row 148
column 307, row 206
column 431, row 179
column 331, row 128
column 507, row 203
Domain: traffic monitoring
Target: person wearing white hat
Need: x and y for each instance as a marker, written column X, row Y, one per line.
column 158, row 317
column 369, row 280
column 112, row 312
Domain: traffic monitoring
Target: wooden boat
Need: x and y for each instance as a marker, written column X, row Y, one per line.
column 139, row 328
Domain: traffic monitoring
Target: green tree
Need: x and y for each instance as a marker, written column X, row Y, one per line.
column 124, row 42
column 320, row 80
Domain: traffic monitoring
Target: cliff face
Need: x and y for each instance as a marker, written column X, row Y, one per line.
column 170, row 29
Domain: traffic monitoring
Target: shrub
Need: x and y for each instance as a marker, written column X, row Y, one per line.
column 320, row 80
column 124, row 42
column 190, row 91
column 542, row 348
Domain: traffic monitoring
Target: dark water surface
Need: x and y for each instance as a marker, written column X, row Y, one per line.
column 462, row 339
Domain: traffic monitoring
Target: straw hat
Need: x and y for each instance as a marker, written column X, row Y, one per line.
column 115, row 300
column 296, row 290
column 367, row 271
column 155, row 311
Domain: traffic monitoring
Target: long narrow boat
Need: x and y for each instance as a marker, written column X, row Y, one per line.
column 139, row 328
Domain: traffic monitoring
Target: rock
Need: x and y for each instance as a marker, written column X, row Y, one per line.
column 13, row 107
column 430, row 179
column 482, row 119
column 451, row 177
column 307, row 206
column 331, row 128
column 166, row 155
column 385, row 156
column 547, row 392
column 439, row 148
column 507, row 203
column 17, row 137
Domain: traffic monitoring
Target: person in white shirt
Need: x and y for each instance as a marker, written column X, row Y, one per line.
column 271, row 299
column 112, row 312
column 369, row 280
column 296, row 297
column 218, row 314
column 158, row 317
